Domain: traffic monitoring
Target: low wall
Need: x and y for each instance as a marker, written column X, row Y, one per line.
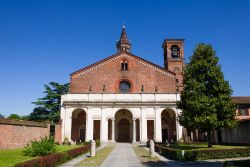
column 58, row 132
column 16, row 133
column 240, row 134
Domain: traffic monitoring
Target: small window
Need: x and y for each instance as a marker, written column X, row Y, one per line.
column 243, row 112
column 177, row 80
column 124, row 65
column 124, row 86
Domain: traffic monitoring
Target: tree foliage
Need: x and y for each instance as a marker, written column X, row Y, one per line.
column 48, row 107
column 14, row 116
column 206, row 96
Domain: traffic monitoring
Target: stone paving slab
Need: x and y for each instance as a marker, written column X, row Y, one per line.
column 122, row 155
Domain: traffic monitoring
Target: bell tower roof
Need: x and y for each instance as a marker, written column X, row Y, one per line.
column 123, row 44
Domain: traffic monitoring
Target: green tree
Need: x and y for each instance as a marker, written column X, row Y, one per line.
column 14, row 116
column 206, row 96
column 48, row 107
column 39, row 114
column 25, row 117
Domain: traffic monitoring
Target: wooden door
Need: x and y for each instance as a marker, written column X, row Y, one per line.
column 123, row 131
column 96, row 133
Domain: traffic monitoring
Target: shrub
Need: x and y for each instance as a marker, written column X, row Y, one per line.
column 173, row 154
column 192, row 155
column 78, row 151
column 54, row 159
column 221, row 153
column 40, row 148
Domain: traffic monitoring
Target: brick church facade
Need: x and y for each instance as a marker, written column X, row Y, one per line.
column 125, row 98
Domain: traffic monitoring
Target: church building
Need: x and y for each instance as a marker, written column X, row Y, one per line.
column 125, row 98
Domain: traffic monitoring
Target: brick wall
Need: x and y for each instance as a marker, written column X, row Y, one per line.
column 110, row 74
column 14, row 133
column 58, row 132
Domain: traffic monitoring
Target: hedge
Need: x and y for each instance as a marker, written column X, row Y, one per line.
column 174, row 154
column 56, row 158
column 192, row 155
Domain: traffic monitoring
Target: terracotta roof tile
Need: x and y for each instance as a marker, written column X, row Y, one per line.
column 241, row 99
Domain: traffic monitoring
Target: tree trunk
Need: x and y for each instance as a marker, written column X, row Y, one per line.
column 209, row 138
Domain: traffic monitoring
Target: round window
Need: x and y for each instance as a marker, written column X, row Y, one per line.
column 124, row 86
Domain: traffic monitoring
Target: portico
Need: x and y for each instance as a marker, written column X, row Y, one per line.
column 120, row 117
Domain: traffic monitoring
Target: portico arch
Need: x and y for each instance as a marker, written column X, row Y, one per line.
column 168, row 125
column 78, row 131
column 123, row 126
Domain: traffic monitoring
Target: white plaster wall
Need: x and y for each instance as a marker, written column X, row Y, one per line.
column 104, row 112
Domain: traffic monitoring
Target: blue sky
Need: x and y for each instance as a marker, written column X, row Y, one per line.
column 44, row 41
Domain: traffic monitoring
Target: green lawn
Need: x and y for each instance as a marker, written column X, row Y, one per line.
column 185, row 146
column 143, row 156
column 10, row 157
column 99, row 158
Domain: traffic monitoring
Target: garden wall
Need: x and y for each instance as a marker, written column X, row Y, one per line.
column 58, row 132
column 240, row 134
column 17, row 133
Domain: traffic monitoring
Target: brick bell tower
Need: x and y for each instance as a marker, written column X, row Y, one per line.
column 174, row 59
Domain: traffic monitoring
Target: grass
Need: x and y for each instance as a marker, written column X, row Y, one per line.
column 98, row 159
column 144, row 157
column 203, row 146
column 10, row 157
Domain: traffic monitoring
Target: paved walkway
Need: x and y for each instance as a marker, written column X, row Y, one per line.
column 122, row 155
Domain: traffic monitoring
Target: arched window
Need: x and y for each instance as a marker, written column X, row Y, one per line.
column 124, row 86
column 175, row 51
column 124, row 65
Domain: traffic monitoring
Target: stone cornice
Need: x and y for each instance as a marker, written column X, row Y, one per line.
column 117, row 103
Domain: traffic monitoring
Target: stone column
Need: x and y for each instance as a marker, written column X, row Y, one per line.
column 89, row 124
column 158, row 135
column 68, row 125
column 104, row 126
column 92, row 148
column 144, row 133
column 113, row 129
column 151, row 148
column 177, row 125
column 68, row 128
column 140, row 129
column 134, row 130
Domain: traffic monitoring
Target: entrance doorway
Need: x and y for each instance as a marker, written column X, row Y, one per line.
column 96, row 132
column 164, row 133
column 168, row 125
column 123, row 130
column 78, row 129
column 123, row 126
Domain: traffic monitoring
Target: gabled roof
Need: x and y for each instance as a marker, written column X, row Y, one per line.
column 241, row 99
column 115, row 56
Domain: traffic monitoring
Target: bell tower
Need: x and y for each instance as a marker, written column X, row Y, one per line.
column 174, row 59
column 123, row 45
